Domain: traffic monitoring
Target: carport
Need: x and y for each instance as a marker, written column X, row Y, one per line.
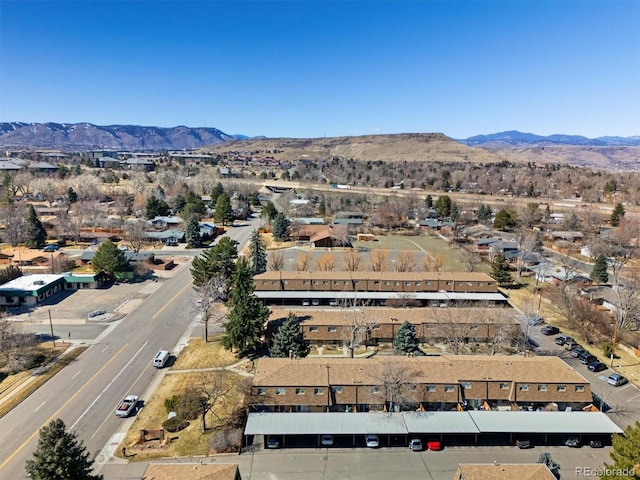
column 458, row 429
column 546, row 428
column 305, row 429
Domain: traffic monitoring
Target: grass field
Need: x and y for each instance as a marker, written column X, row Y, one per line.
column 199, row 354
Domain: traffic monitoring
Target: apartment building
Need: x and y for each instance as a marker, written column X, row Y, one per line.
column 327, row 287
column 395, row 383
column 331, row 326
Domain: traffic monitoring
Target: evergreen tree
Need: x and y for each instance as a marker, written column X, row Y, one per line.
column 156, row 207
column 625, row 453
column 60, row 456
column 223, row 213
column 72, row 196
column 617, row 215
column 192, row 233
column 289, row 339
column 322, row 208
column 599, row 272
column 269, row 211
column 443, row 206
column 505, row 219
column 281, row 226
column 217, row 191
column 406, row 340
column 109, row 259
column 429, row 201
column 247, row 315
column 484, row 213
column 500, row 271
column 552, row 465
column 217, row 259
column 36, row 234
column 257, row 253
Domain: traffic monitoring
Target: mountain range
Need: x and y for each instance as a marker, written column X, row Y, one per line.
column 87, row 136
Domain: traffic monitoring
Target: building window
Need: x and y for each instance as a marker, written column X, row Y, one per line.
column 413, row 387
column 579, row 388
column 336, row 389
column 318, row 391
column 523, row 388
column 332, row 329
column 281, row 391
column 418, row 284
column 466, row 385
column 469, row 284
column 562, row 388
column 264, row 282
column 397, row 284
column 374, row 390
column 262, row 391
column 542, row 388
column 313, row 329
column 504, row 385
column 448, row 388
column 431, row 388
column 408, row 284
column 346, row 282
column 428, row 282
column 480, row 284
column 299, row 391
column 387, row 282
column 285, row 282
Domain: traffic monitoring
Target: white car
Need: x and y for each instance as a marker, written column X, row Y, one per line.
column 372, row 440
column 326, row 440
column 273, row 442
column 315, row 302
column 305, row 302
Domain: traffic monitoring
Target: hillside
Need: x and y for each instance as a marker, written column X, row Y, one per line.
column 395, row 148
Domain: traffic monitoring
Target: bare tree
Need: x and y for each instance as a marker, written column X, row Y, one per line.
column 455, row 327
column 352, row 261
column 275, row 261
column 303, row 262
column 469, row 258
column 15, row 225
column 326, row 263
column 17, row 348
column 627, row 307
column 135, row 233
column 208, row 300
column 398, row 383
column 378, row 260
column 406, row 261
column 215, row 387
column 527, row 242
column 355, row 327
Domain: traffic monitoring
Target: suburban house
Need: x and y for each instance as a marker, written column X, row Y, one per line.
column 556, row 274
column 348, row 218
column 503, row 471
column 325, row 327
column 439, row 383
column 327, row 287
column 331, row 236
column 162, row 222
column 27, row 257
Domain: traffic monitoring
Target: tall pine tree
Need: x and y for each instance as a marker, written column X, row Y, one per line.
column 289, row 339
column 281, row 226
column 60, row 456
column 192, row 233
column 109, row 259
column 599, row 273
column 617, row 215
column 257, row 253
column 224, row 212
column 501, row 272
column 36, row 234
column 247, row 315
column 406, row 340
column 217, row 259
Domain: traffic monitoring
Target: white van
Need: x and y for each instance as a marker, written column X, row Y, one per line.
column 161, row 359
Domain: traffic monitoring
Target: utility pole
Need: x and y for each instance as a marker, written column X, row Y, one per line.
column 53, row 339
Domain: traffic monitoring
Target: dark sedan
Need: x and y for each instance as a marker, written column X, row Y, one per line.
column 597, row 366
column 549, row 330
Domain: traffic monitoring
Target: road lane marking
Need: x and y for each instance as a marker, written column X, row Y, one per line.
column 108, row 385
column 132, row 384
column 76, row 374
column 41, row 405
column 188, row 285
column 57, row 412
column 104, row 349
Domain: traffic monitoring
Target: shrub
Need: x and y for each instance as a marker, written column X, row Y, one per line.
column 171, row 403
column 175, row 424
column 227, row 441
column 190, row 405
column 238, row 417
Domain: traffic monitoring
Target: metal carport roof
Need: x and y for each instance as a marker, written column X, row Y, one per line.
column 336, row 423
column 543, row 422
column 439, row 422
column 380, row 295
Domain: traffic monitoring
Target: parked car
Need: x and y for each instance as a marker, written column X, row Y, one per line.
column 434, row 445
column 534, row 321
column 597, row 366
column 571, row 345
column 372, row 440
column 51, row 248
column 573, row 442
column 326, row 440
column 306, row 302
column 576, row 352
column 333, row 303
column 596, row 444
column 616, row 380
column 315, row 302
column 523, row 444
column 273, row 442
column 549, row 330
column 415, row 444
column 586, row 358
column 562, row 339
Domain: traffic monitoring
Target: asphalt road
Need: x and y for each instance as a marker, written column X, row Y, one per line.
column 85, row 394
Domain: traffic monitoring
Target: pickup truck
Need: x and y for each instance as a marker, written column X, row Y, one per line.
column 126, row 406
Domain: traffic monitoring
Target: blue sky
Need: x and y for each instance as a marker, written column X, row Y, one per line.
column 326, row 68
